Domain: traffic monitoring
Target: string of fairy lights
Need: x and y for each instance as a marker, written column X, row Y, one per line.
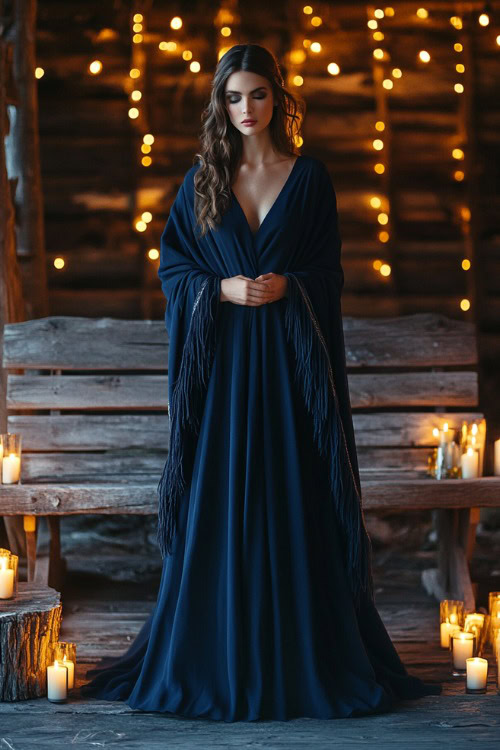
column 227, row 21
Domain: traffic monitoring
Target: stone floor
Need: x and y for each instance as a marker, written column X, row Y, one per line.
column 113, row 575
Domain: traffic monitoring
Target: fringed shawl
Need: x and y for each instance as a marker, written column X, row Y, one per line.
column 191, row 269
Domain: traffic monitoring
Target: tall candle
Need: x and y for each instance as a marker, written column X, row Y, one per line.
column 447, row 628
column 497, row 457
column 57, row 682
column 11, row 468
column 477, row 673
column 470, row 464
column 463, row 648
column 6, row 579
column 71, row 672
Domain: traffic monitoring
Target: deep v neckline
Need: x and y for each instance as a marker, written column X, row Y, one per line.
column 281, row 192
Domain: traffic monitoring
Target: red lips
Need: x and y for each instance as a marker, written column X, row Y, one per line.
column 248, row 122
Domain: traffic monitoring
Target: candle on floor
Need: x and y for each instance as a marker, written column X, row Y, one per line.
column 462, row 648
column 57, row 683
column 470, row 464
column 6, row 578
column 71, row 671
column 477, row 674
column 447, row 628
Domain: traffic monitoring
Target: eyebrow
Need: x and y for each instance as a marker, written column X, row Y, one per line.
column 252, row 91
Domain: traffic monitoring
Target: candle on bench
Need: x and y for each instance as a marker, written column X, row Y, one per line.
column 470, row 464
column 497, row 457
column 477, row 674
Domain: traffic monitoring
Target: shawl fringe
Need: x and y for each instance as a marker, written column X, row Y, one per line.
column 185, row 409
column 314, row 373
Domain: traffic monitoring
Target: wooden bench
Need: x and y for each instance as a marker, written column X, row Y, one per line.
column 96, row 436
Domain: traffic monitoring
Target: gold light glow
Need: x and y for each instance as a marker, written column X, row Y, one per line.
column 333, row 69
column 383, row 236
column 424, row 56
column 459, row 88
column 465, row 304
column 39, row 72
column 316, row 21
column 378, row 53
column 422, row 13
column 137, row 38
column 135, row 73
column 382, row 218
column 146, row 161
column 297, row 56
column 379, row 168
column 466, row 264
column 153, row 254
column 379, row 125
column 58, row 263
column 378, row 144
column 95, row 67
column 298, row 81
column 372, row 24
column 136, row 95
column 465, row 213
column 458, row 47
column 387, row 83
column 140, row 225
column 389, row 11
column 377, row 264
column 176, row 23
column 145, row 148
column 315, row 47
column 375, row 202
column 385, row 269
column 397, row 72
column 133, row 113
column 459, row 175
column 149, row 138
column 225, row 31
column 187, row 54
column 137, row 27
column 378, row 36
column 484, row 19
column 460, row 68
column 307, row 10
column 195, row 67
column 138, row 17
column 457, row 153
column 456, row 21
column 147, row 216
column 378, row 13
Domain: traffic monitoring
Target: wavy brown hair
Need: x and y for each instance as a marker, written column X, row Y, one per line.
column 221, row 142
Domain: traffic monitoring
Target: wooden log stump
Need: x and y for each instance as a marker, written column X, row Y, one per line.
column 29, row 631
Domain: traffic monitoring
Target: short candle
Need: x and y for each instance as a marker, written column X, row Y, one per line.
column 6, row 579
column 477, row 674
column 57, row 682
column 462, row 649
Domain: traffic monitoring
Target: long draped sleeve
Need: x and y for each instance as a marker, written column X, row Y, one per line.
column 192, row 290
column 314, row 326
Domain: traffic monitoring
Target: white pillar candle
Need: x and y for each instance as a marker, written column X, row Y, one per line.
column 463, row 648
column 11, row 468
column 57, row 682
column 477, row 673
column 470, row 464
column 71, row 672
column 497, row 457
column 6, row 579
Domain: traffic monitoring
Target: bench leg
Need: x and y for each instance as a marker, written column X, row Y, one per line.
column 456, row 529
column 50, row 569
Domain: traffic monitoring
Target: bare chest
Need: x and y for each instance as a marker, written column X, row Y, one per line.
column 258, row 190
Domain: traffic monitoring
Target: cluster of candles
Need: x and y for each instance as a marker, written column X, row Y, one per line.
column 10, row 458
column 61, row 674
column 460, row 452
column 465, row 635
column 8, row 574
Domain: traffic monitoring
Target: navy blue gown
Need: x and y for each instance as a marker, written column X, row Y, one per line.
column 265, row 607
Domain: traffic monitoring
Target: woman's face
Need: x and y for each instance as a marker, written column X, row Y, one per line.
column 249, row 96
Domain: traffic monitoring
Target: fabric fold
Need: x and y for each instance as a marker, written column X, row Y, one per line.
column 314, row 375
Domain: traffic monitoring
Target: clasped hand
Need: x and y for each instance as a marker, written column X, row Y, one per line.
column 242, row 290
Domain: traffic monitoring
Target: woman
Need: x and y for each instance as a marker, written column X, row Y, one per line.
column 265, row 607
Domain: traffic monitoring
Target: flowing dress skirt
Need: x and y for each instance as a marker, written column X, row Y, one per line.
column 254, row 617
